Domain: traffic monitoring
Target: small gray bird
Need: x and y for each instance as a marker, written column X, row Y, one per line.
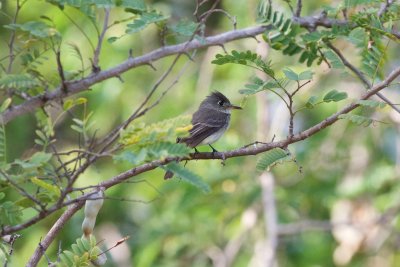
column 209, row 122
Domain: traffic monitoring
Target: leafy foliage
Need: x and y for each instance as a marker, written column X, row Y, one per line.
column 187, row 176
column 357, row 119
column 140, row 134
column 371, row 103
column 84, row 252
column 291, row 75
column 334, row 96
column 18, row 81
column 282, row 35
column 37, row 29
column 247, row 58
column 157, row 150
column 10, row 213
column 270, row 158
column 146, row 18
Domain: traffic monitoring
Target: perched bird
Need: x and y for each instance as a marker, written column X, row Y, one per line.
column 209, row 122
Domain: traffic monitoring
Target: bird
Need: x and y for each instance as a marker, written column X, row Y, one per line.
column 209, row 122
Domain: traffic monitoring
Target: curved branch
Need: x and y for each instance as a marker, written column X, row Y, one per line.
column 244, row 151
column 77, row 86
column 57, row 226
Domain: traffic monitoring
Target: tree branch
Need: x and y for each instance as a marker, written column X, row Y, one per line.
column 95, row 63
column 361, row 76
column 59, row 224
column 80, row 85
column 244, row 151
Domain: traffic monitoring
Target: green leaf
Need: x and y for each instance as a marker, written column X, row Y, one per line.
column 138, row 5
column 187, row 176
column 184, row 28
column 131, row 157
column 10, row 214
column 247, row 58
column 39, row 158
column 49, row 187
column 311, row 102
column 290, row 74
column 28, row 203
column 269, row 158
column 112, row 39
column 167, row 149
column 371, row 103
column 334, row 96
column 334, row 59
column 314, row 36
column 358, row 37
column 37, row 28
column 357, row 119
column 145, row 19
column 306, row 75
column 18, row 81
column 6, row 103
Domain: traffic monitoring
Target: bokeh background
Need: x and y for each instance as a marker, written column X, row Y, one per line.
column 337, row 205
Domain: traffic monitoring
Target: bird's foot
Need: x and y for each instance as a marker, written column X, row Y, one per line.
column 213, row 150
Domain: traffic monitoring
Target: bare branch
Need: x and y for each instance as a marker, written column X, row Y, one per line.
column 57, row 226
column 313, row 22
column 12, row 40
column 95, row 62
column 384, row 7
column 80, row 85
column 361, row 76
column 298, row 8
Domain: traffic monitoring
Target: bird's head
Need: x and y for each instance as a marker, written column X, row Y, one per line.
column 220, row 102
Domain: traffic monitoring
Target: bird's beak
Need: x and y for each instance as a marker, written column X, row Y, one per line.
column 233, row 107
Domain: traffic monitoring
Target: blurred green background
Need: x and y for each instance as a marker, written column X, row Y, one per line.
column 349, row 172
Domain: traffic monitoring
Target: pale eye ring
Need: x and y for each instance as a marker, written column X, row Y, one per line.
column 221, row 103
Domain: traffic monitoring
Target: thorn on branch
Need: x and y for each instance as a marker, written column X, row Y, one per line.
column 61, row 72
column 151, row 66
column 95, row 68
column 223, row 48
column 188, row 56
column 120, row 78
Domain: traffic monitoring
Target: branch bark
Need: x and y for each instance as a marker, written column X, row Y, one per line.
column 80, row 85
column 45, row 243
column 244, row 151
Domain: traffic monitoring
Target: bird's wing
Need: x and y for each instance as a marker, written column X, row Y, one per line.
column 205, row 125
column 199, row 132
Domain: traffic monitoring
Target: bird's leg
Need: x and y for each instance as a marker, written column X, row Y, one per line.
column 214, row 150
column 195, row 150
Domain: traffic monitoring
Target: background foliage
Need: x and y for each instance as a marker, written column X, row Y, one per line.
column 336, row 193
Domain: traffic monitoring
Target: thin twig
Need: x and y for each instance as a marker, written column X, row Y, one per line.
column 298, row 8
column 12, row 39
column 228, row 154
column 50, row 236
column 82, row 84
column 384, row 7
column 95, row 65
column 361, row 76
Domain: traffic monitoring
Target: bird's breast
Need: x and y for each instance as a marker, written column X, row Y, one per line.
column 215, row 136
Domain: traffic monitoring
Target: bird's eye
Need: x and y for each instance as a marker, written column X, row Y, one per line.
column 221, row 103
